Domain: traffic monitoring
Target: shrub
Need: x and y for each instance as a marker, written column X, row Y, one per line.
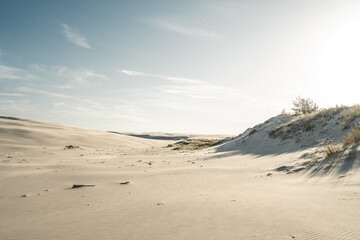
column 304, row 106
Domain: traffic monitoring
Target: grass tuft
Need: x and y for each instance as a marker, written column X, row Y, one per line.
column 197, row 144
column 331, row 149
column 349, row 115
column 352, row 137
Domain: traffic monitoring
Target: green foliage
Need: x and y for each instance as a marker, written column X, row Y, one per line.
column 304, row 106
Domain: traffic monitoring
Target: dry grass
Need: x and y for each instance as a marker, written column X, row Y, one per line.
column 307, row 122
column 331, row 149
column 300, row 123
column 352, row 137
column 349, row 115
column 197, row 144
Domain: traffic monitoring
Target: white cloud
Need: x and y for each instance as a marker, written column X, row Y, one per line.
column 190, row 31
column 168, row 78
column 202, row 91
column 82, row 75
column 189, row 87
column 74, row 77
column 12, row 94
column 13, row 73
column 52, row 94
column 73, row 36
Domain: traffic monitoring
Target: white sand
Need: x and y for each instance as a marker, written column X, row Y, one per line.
column 220, row 193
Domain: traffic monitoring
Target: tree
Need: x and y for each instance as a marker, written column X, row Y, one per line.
column 304, row 106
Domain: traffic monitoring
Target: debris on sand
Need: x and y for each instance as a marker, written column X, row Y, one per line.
column 125, row 183
column 70, row 147
column 82, row 185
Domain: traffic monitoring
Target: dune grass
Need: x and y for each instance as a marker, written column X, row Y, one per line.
column 197, row 143
column 307, row 122
column 352, row 137
column 347, row 146
column 331, row 149
column 349, row 115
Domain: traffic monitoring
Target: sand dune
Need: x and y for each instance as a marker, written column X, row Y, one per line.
column 29, row 133
column 237, row 190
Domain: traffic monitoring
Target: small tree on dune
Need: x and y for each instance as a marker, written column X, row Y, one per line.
column 304, row 106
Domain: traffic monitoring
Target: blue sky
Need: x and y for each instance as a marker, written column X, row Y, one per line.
column 175, row 66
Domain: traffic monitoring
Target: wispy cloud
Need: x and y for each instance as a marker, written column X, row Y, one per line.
column 168, row 78
column 190, row 31
column 74, row 37
column 12, row 94
column 48, row 93
column 189, row 87
column 13, row 73
column 82, row 75
column 74, row 77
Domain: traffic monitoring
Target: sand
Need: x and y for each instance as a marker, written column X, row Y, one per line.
column 145, row 190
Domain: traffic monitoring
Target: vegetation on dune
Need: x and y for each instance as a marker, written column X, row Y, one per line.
column 349, row 115
column 197, row 143
column 308, row 115
column 332, row 149
column 336, row 130
column 303, row 123
column 305, row 111
column 352, row 137
column 345, row 150
column 304, row 106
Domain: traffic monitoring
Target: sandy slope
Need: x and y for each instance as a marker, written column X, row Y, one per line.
column 220, row 193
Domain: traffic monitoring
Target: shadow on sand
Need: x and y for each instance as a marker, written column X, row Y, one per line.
column 262, row 148
column 153, row 137
column 338, row 165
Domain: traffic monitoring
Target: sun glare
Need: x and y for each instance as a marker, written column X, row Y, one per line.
column 336, row 74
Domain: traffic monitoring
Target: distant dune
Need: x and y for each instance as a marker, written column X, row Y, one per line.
column 291, row 177
column 26, row 133
column 172, row 136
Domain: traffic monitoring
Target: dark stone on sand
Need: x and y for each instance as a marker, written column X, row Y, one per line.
column 124, row 183
column 82, row 185
column 70, row 147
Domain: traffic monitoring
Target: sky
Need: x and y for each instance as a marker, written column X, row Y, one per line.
column 211, row 67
